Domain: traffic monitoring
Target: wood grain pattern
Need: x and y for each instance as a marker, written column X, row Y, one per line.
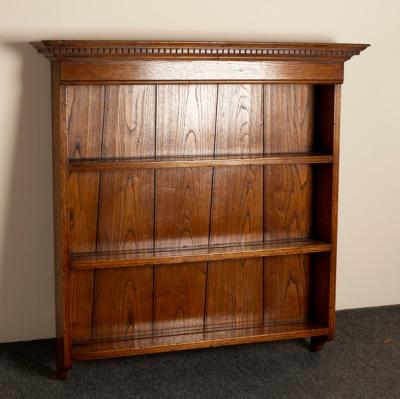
column 81, row 294
column 165, row 71
column 183, row 198
column 123, row 303
column 179, row 297
column 129, row 121
column 287, row 201
column 126, row 211
column 197, row 254
column 186, row 119
column 185, row 126
column 83, row 203
column 197, row 161
column 287, row 289
column 288, row 118
column 265, row 117
column 237, row 192
column 84, row 120
column 234, row 293
column 188, row 340
column 239, row 120
column 60, row 212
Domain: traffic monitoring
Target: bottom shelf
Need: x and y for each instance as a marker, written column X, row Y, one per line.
column 195, row 340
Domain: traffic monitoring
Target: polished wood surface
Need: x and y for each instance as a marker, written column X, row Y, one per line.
column 99, row 164
column 195, row 192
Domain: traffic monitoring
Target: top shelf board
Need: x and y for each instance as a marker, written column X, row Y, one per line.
column 86, row 165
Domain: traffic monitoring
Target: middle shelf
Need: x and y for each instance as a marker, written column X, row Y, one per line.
column 98, row 164
column 196, row 254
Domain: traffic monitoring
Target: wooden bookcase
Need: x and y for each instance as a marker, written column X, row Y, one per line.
column 195, row 193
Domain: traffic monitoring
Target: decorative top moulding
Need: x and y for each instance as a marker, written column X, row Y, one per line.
column 86, row 49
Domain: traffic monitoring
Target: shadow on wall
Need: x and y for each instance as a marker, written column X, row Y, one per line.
column 26, row 279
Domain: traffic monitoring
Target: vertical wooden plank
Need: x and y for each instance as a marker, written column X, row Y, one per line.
column 129, row 121
column 84, row 120
column 123, row 302
column 179, row 299
column 237, row 194
column 287, row 201
column 234, row 292
column 60, row 202
column 183, row 207
column 83, row 202
column 185, row 126
column 326, row 206
column 288, row 127
column 126, row 214
column 288, row 118
column 126, row 211
column 185, row 120
column 81, row 297
column 286, row 288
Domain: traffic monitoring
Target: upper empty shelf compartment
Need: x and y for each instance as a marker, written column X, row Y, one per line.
column 83, row 165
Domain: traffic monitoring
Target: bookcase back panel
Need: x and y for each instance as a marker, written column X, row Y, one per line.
column 156, row 209
column 164, row 300
column 287, row 287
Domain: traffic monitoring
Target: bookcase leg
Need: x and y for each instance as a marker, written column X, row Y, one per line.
column 63, row 359
column 317, row 343
column 62, row 374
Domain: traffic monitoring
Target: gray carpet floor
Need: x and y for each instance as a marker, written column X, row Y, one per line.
column 362, row 362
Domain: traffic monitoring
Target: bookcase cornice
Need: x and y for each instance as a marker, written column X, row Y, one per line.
column 187, row 50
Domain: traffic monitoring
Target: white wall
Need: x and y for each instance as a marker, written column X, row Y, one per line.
column 369, row 226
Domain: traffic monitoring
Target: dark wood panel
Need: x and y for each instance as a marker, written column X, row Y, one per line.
column 237, row 192
column 179, row 292
column 288, row 118
column 126, row 210
column 185, row 126
column 237, row 205
column 239, row 120
column 234, row 292
column 61, row 220
column 186, row 119
column 195, row 71
column 129, row 121
column 287, row 201
column 81, row 297
column 183, row 199
column 123, row 305
column 84, row 107
column 83, row 202
column 287, row 288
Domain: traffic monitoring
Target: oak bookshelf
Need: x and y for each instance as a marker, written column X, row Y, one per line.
column 195, row 193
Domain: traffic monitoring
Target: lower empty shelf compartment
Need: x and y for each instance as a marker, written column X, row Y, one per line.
column 192, row 339
column 197, row 254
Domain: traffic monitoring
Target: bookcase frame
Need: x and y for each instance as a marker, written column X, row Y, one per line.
column 195, row 193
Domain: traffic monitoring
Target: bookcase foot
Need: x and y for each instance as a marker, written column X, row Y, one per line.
column 317, row 343
column 62, row 374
